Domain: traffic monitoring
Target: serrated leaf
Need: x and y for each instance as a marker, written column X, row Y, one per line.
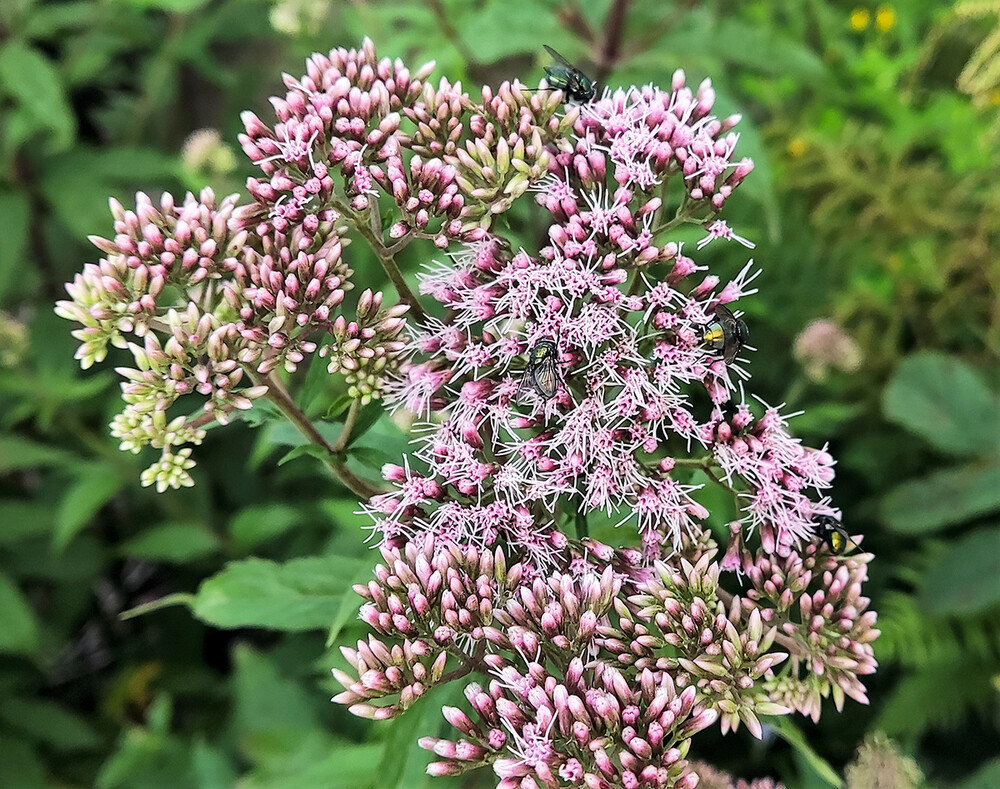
column 944, row 401
column 943, row 498
column 254, row 525
column 32, row 79
column 19, row 631
column 93, row 488
column 303, row 594
column 917, row 704
column 965, row 579
column 172, row 542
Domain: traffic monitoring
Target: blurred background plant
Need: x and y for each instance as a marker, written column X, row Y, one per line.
column 876, row 134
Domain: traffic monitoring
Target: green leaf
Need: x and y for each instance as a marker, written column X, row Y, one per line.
column 371, row 457
column 254, row 525
column 367, row 419
column 266, row 701
column 211, row 768
column 19, row 631
column 172, row 542
column 76, row 184
column 943, row 498
column 944, row 401
column 987, row 777
column 790, row 733
column 965, row 579
column 20, row 766
column 93, row 488
column 178, row 6
column 523, row 24
column 30, row 77
column 343, row 766
column 15, row 210
column 303, row 594
column 147, row 760
column 916, row 704
column 23, row 519
column 22, row 453
column 49, row 723
column 304, row 450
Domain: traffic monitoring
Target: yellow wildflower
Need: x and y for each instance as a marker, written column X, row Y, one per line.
column 860, row 17
column 885, row 18
column 796, row 146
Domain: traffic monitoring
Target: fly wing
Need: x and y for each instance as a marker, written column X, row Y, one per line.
column 546, row 377
column 556, row 56
column 730, row 329
column 726, row 317
column 523, row 386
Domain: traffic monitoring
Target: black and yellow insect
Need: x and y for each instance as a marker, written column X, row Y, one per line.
column 726, row 333
column 829, row 530
column 563, row 75
column 542, row 372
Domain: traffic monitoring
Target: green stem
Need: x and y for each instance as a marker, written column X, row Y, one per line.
column 582, row 529
column 371, row 231
column 349, row 422
column 705, row 461
column 278, row 395
column 718, row 481
column 178, row 598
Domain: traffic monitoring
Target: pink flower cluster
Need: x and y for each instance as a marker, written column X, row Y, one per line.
column 635, row 371
column 356, row 128
column 603, row 662
column 596, row 380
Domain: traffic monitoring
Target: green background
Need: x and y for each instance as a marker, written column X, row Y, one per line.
column 875, row 203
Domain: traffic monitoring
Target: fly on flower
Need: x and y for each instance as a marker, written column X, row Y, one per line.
column 563, row 75
column 829, row 530
column 726, row 333
column 542, row 372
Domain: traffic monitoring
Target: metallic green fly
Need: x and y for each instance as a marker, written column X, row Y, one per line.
column 563, row 75
column 726, row 333
column 542, row 373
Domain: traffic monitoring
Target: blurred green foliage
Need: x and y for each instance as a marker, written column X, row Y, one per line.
column 875, row 202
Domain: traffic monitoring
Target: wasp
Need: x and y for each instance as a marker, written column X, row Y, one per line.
column 563, row 75
column 542, row 372
column 726, row 333
column 829, row 530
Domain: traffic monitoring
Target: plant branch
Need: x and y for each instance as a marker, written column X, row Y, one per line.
column 278, row 395
column 388, row 261
column 349, row 422
column 610, row 51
